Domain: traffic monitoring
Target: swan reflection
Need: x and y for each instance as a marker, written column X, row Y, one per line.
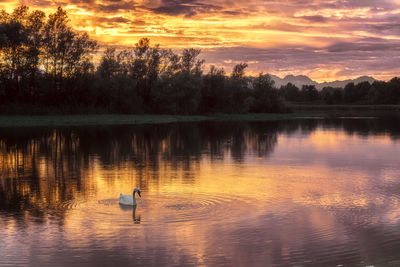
column 136, row 219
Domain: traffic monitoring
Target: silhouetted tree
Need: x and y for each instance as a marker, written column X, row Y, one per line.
column 180, row 92
column 332, row 95
column 309, row 93
column 238, row 71
column 213, row 92
column 290, row 92
column 109, row 66
column 394, row 90
column 378, row 93
column 66, row 52
column 266, row 96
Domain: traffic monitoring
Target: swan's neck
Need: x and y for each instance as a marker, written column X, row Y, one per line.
column 134, row 199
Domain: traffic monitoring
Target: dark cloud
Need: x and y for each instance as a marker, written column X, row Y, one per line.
column 314, row 18
column 115, row 6
column 108, row 6
column 365, row 45
column 275, row 25
column 382, row 4
column 114, row 20
column 339, row 4
column 187, row 8
column 117, row 22
column 387, row 27
column 355, row 59
column 40, row 3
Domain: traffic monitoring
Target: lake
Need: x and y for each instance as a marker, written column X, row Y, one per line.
column 309, row 192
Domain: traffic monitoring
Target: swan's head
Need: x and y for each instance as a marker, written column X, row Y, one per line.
column 137, row 190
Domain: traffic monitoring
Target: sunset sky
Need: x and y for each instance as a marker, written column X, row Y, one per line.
column 326, row 39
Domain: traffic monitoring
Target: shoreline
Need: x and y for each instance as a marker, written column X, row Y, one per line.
column 321, row 107
column 120, row 119
column 300, row 111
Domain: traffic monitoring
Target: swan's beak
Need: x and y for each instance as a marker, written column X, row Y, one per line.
column 139, row 194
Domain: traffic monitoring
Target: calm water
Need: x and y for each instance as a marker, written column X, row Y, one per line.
column 288, row 193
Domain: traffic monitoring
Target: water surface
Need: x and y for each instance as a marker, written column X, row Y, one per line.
column 309, row 192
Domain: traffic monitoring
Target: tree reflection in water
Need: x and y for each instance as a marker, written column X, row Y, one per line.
column 202, row 181
column 45, row 171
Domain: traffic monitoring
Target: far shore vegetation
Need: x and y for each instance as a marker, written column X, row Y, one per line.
column 47, row 67
column 124, row 119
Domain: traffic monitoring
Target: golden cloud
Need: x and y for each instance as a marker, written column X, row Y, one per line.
column 252, row 24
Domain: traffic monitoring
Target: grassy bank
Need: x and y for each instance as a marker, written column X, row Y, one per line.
column 117, row 119
column 332, row 111
column 314, row 107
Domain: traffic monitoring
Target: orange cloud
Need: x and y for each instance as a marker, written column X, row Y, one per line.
column 333, row 39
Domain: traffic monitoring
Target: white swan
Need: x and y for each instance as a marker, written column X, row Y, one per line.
column 129, row 200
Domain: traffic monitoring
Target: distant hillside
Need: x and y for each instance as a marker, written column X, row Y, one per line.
column 343, row 83
column 301, row 80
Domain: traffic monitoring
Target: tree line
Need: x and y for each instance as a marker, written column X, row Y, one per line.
column 377, row 93
column 45, row 64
